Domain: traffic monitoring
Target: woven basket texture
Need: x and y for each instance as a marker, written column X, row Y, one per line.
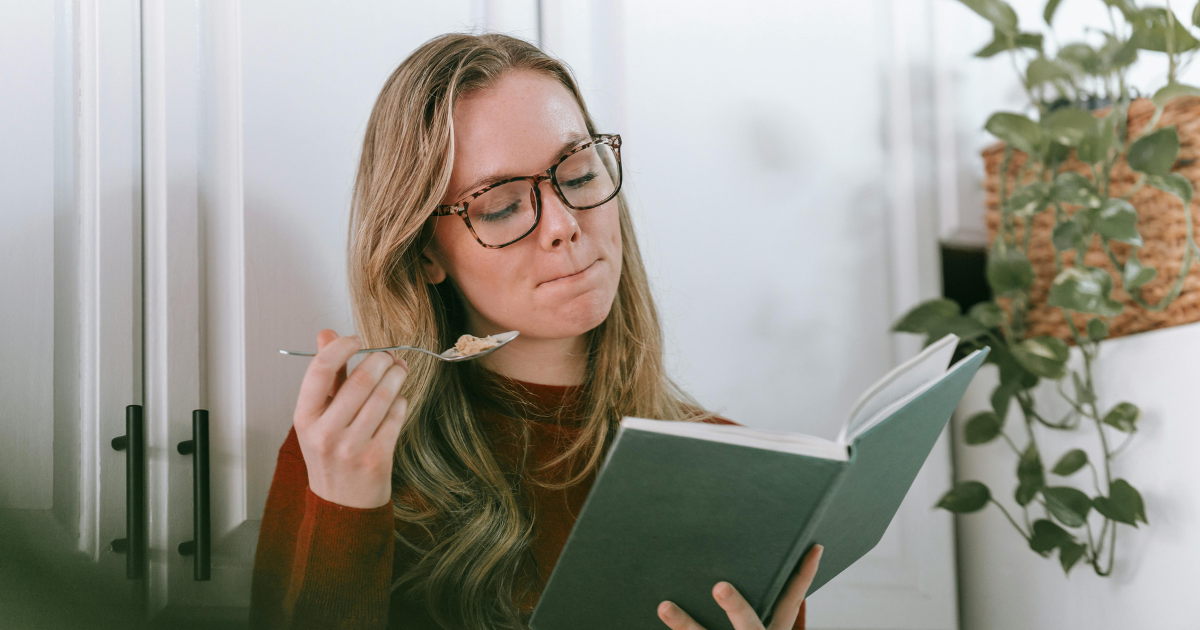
column 1160, row 222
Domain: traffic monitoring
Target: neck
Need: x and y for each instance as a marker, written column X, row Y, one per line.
column 543, row 361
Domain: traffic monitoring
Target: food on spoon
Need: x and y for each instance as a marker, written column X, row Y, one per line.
column 470, row 344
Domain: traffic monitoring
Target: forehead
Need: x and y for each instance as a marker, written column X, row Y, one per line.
column 516, row 127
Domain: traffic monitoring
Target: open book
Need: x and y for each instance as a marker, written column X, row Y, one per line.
column 679, row 506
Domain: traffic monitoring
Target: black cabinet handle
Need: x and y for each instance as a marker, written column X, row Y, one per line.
column 200, row 547
column 133, row 545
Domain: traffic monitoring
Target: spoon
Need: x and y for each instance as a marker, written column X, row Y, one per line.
column 450, row 355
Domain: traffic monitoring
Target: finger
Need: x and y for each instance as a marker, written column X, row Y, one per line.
column 356, row 390
column 389, row 430
column 323, row 339
column 797, row 589
column 740, row 613
column 675, row 618
column 321, row 373
column 379, row 402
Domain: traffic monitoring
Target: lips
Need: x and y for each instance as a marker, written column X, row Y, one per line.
column 570, row 275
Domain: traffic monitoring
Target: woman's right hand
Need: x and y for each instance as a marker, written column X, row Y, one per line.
column 348, row 427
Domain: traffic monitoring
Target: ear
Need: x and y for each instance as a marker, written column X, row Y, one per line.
column 431, row 262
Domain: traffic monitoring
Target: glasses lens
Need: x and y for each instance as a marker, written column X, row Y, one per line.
column 589, row 177
column 503, row 213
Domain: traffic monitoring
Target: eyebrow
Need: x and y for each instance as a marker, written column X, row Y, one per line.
column 493, row 178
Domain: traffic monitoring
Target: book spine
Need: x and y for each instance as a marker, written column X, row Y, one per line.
column 792, row 560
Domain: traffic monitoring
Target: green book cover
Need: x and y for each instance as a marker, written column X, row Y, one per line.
column 677, row 507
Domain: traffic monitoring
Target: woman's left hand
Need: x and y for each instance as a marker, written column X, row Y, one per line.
column 740, row 612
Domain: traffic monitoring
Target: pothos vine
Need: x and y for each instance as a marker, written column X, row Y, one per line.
column 1064, row 91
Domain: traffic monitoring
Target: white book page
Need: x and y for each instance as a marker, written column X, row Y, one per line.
column 895, row 406
column 927, row 366
column 796, row 443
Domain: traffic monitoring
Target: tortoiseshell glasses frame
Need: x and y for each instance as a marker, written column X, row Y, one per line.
column 460, row 208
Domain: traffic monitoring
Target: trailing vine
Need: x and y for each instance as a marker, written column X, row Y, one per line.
column 1065, row 94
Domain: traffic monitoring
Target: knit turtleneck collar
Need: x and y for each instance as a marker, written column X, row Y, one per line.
column 545, row 403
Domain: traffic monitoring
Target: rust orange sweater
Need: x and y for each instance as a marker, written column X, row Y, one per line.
column 324, row 565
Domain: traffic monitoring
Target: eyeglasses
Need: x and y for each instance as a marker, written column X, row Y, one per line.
column 507, row 211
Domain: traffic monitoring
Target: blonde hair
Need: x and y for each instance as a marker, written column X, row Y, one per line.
column 446, row 479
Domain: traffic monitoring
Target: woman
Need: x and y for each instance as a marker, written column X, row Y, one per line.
column 427, row 494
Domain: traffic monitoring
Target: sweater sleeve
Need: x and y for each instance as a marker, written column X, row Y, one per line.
column 318, row 564
column 799, row 625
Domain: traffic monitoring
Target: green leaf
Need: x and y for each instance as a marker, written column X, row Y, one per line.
column 1124, row 504
column 1172, row 90
column 1121, row 492
column 998, row 12
column 965, row 497
column 1001, row 43
column 1069, row 554
column 982, row 428
column 1095, row 148
column 1025, row 493
column 1083, row 57
column 925, row 314
column 1029, row 468
column 1069, row 125
column 1071, row 187
column 1029, row 200
column 1041, row 70
column 965, row 327
column 1008, row 269
column 1044, row 356
column 1047, row 535
column 1121, row 54
column 1001, row 397
column 1016, row 130
column 1152, row 31
column 1085, row 290
column 1196, row 15
column 1067, row 235
column 1084, row 394
column 1029, row 40
column 1135, row 274
column 1123, row 417
column 1173, row 183
column 1048, row 13
column 1117, row 220
column 1097, row 329
column 1068, row 505
column 1070, row 463
column 1011, row 370
column 1155, row 152
column 998, row 45
column 989, row 314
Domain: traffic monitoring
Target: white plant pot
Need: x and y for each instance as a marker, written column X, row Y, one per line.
column 1004, row 585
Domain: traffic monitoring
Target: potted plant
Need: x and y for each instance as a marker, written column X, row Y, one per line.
column 1092, row 240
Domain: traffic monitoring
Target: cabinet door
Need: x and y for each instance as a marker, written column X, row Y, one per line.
column 254, row 115
column 70, row 305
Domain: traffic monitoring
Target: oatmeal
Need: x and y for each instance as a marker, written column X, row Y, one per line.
column 469, row 344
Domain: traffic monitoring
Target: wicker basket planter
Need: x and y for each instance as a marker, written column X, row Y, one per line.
column 1160, row 222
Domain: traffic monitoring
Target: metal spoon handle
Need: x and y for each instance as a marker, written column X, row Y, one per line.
column 313, row 354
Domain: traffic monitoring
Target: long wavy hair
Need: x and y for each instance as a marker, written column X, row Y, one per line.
column 446, row 479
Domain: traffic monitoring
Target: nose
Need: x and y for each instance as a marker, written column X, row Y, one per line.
column 558, row 224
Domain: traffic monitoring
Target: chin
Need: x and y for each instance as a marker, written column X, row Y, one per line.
column 575, row 319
